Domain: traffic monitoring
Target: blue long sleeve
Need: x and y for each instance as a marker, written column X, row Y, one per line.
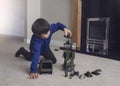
column 35, row 51
column 57, row 26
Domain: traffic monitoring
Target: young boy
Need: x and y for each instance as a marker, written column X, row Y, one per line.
column 39, row 45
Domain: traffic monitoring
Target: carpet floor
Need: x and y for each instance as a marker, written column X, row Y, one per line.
column 14, row 71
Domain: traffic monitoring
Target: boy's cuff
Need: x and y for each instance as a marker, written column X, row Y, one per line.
column 63, row 29
column 33, row 71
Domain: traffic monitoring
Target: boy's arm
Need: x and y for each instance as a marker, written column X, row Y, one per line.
column 36, row 49
column 60, row 26
column 57, row 26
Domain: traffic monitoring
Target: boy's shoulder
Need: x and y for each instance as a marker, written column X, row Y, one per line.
column 35, row 38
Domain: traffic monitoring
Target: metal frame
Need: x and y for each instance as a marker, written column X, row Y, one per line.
column 95, row 42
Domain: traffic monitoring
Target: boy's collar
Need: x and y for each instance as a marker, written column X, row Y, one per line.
column 37, row 35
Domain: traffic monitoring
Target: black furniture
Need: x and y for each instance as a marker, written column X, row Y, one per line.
column 102, row 9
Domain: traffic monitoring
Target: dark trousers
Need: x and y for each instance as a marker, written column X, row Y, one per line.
column 48, row 54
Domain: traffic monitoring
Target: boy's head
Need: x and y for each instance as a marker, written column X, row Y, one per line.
column 41, row 28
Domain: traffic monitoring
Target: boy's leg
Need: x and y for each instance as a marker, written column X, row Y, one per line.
column 22, row 51
column 49, row 55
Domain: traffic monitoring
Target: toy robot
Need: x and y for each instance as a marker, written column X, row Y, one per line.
column 69, row 56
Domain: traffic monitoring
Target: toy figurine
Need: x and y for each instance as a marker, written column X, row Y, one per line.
column 69, row 56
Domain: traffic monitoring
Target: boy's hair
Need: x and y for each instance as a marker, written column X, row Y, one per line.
column 40, row 26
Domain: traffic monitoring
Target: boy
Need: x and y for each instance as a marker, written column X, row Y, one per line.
column 39, row 45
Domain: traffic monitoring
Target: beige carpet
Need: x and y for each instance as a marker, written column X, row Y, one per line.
column 14, row 71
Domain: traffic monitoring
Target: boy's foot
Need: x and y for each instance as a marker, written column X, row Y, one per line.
column 17, row 54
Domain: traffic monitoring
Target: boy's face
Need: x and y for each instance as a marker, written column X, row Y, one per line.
column 45, row 35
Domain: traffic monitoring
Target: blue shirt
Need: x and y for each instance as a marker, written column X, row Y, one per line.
column 39, row 45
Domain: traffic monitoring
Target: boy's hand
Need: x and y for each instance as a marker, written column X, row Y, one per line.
column 67, row 31
column 33, row 75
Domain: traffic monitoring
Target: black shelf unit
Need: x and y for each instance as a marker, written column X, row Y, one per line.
column 102, row 9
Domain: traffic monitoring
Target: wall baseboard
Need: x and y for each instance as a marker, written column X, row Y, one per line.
column 27, row 41
column 11, row 37
column 53, row 42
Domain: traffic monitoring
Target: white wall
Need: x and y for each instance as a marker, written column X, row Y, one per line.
column 13, row 17
column 57, row 10
column 53, row 11
column 33, row 12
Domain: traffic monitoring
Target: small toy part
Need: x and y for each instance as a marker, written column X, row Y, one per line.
column 96, row 72
column 68, row 36
column 88, row 74
column 75, row 73
column 56, row 49
column 45, row 66
column 80, row 76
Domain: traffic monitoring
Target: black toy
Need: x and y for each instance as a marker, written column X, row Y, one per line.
column 69, row 66
column 45, row 66
column 75, row 73
column 88, row 74
column 96, row 72
column 69, row 56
